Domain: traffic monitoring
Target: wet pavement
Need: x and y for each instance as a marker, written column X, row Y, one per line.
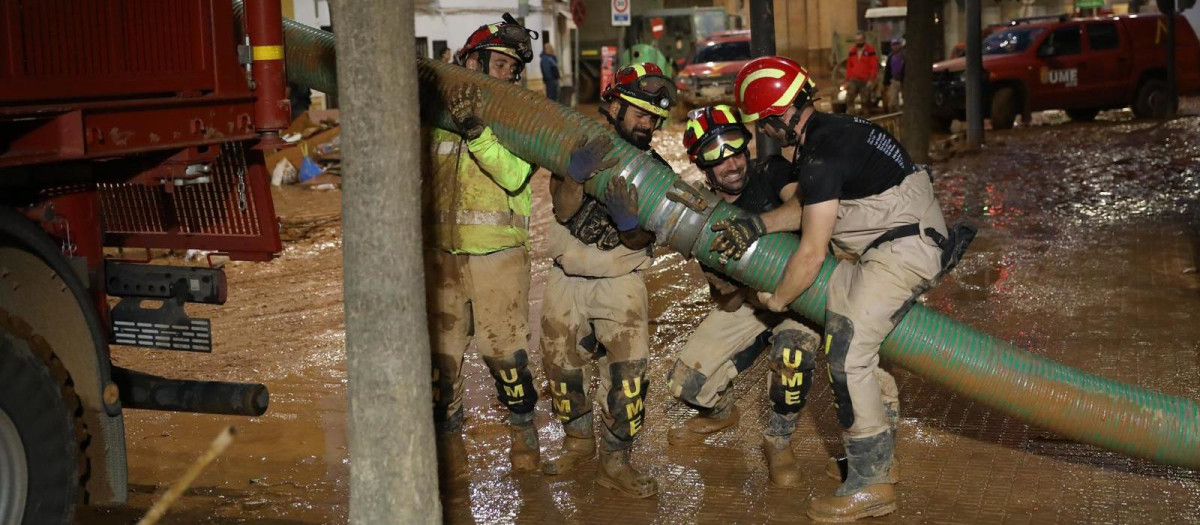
column 1087, row 254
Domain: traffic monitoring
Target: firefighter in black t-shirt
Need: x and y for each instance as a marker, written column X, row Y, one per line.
column 861, row 193
column 739, row 329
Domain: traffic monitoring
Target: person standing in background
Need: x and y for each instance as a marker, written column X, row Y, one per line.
column 861, row 69
column 895, row 69
column 550, row 73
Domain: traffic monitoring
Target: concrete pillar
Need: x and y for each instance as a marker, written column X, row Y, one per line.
column 393, row 469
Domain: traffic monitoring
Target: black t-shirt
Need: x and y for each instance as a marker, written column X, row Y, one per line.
column 766, row 179
column 848, row 158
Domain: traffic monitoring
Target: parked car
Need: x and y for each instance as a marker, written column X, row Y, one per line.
column 1081, row 65
column 708, row 76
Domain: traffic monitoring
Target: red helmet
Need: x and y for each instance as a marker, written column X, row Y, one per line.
column 713, row 134
column 644, row 86
column 508, row 37
column 769, row 85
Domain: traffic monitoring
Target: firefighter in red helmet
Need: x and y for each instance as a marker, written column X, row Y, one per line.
column 500, row 50
column 638, row 102
column 739, row 329
column 862, row 195
column 596, row 303
column 477, row 256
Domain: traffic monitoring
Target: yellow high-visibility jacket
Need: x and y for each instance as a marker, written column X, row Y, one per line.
column 480, row 201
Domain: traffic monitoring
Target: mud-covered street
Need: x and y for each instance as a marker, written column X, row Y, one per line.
column 1087, row 254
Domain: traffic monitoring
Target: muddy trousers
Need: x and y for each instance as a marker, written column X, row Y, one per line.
column 867, row 297
column 860, row 91
column 485, row 299
column 727, row 343
column 614, row 310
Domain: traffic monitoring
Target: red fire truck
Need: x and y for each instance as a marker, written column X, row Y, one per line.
column 125, row 126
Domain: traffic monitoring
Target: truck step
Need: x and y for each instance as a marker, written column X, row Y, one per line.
column 165, row 328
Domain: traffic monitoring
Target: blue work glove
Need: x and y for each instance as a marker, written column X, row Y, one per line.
column 588, row 158
column 621, row 199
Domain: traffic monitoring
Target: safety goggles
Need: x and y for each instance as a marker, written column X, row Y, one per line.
column 517, row 37
column 727, row 143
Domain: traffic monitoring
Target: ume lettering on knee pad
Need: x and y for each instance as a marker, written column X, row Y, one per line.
column 514, row 382
column 626, row 404
column 792, row 362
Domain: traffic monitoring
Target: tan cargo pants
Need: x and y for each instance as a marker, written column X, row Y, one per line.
column 484, row 298
column 727, row 343
column 867, row 297
column 614, row 310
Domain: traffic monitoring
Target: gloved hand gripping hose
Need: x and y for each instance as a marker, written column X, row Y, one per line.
column 1077, row 405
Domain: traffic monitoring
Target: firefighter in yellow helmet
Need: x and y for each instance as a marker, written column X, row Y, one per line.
column 740, row 329
column 477, row 206
column 595, row 306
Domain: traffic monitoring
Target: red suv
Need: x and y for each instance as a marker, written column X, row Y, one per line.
column 1078, row 65
column 708, row 77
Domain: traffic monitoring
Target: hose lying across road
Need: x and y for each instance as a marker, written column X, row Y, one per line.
column 1074, row 404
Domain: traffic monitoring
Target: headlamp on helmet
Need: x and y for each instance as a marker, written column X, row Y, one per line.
column 643, row 86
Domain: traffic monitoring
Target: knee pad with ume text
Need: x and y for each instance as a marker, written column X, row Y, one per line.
column 445, row 372
column 568, row 395
column 839, row 330
column 792, row 360
column 626, row 397
column 514, row 382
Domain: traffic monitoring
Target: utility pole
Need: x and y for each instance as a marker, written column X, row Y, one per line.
column 1172, row 67
column 393, row 466
column 917, row 120
column 762, row 44
column 974, row 76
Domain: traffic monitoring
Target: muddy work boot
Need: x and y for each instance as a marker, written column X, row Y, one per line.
column 524, row 453
column 696, row 429
column 837, row 466
column 777, row 447
column 866, row 491
column 616, row 473
column 579, row 445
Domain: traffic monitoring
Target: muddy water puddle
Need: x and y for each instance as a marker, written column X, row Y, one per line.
column 1087, row 254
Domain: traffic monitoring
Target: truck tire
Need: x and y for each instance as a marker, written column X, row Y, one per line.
column 1151, row 99
column 1004, row 108
column 1083, row 115
column 40, row 469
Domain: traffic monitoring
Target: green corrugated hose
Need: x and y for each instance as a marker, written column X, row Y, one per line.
column 1077, row 405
